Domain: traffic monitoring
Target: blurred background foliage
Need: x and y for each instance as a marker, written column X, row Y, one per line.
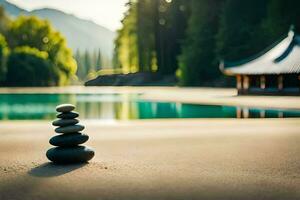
column 27, row 66
column 33, row 54
column 183, row 38
column 89, row 63
column 190, row 37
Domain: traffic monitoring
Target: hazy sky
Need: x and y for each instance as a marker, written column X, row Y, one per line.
column 104, row 12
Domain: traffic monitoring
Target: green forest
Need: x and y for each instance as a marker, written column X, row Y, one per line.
column 32, row 53
column 88, row 64
column 182, row 38
column 189, row 38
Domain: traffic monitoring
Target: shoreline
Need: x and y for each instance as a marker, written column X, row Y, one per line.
column 206, row 96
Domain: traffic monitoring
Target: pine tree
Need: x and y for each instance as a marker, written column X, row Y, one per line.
column 170, row 31
column 145, row 33
column 4, row 51
column 99, row 61
column 87, row 62
column 240, row 33
column 281, row 16
column 79, row 64
column 126, row 42
column 198, row 64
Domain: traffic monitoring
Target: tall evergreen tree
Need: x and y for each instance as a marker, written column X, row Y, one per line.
column 240, row 33
column 170, row 24
column 3, row 58
column 281, row 16
column 80, row 65
column 151, row 35
column 87, row 62
column 145, row 33
column 155, row 35
column 127, row 42
column 198, row 64
column 99, row 61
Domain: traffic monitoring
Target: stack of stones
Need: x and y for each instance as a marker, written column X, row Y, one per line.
column 68, row 144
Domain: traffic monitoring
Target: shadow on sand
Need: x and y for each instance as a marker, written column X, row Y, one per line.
column 51, row 170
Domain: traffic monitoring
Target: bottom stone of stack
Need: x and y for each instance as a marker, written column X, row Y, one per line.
column 69, row 155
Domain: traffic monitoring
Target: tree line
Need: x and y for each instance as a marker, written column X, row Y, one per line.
column 32, row 53
column 89, row 63
column 190, row 37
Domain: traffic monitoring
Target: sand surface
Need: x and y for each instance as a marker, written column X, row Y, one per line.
column 166, row 159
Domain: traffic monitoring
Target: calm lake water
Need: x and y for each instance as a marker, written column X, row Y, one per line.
column 121, row 107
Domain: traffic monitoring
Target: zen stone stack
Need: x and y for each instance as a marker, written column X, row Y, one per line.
column 68, row 143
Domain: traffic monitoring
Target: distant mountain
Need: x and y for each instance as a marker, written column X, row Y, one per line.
column 80, row 34
column 12, row 9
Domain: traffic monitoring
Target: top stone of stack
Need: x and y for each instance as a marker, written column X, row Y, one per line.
column 65, row 108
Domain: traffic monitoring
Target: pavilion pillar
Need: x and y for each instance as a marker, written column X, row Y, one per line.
column 239, row 84
column 262, row 82
column 246, row 83
column 280, row 82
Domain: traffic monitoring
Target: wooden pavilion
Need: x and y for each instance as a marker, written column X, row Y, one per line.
column 273, row 72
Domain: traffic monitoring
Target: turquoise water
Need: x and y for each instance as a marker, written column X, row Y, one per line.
column 121, row 107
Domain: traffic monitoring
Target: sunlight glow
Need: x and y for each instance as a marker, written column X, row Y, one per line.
column 107, row 13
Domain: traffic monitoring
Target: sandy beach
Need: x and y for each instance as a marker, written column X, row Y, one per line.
column 159, row 159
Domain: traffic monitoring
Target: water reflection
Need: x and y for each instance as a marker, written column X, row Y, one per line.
column 121, row 107
column 266, row 113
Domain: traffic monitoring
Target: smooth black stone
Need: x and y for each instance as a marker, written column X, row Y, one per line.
column 69, row 140
column 65, row 108
column 67, row 115
column 65, row 122
column 70, row 129
column 68, row 155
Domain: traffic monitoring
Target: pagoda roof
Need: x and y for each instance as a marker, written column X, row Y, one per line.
column 281, row 58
